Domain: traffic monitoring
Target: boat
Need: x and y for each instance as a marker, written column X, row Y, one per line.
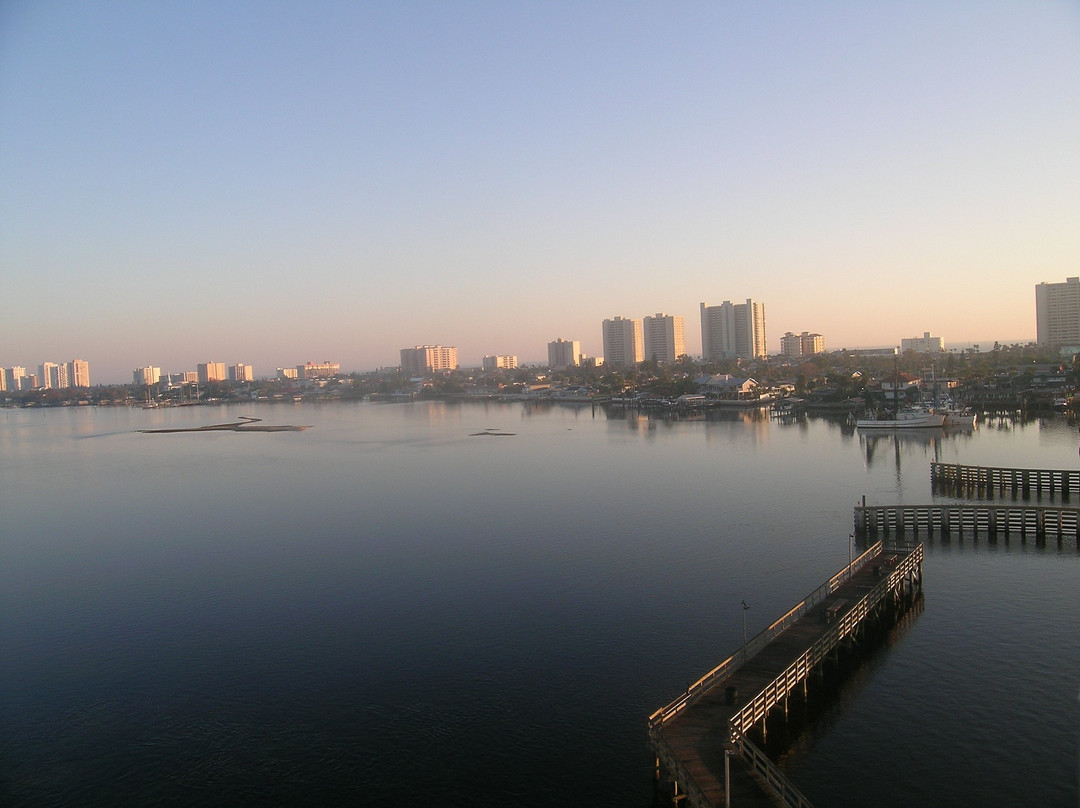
column 904, row 419
column 954, row 417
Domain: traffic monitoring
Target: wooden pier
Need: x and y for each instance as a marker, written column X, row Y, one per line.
column 874, row 522
column 987, row 482
column 707, row 740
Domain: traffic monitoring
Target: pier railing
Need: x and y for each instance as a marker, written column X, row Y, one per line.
column 874, row 522
column 985, row 481
column 774, row 779
column 755, row 646
column 759, row 706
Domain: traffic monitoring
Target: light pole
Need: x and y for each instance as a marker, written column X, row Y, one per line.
column 745, row 609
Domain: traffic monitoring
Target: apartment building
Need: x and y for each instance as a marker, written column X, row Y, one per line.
column 499, row 362
column 424, row 359
column 624, row 343
column 564, row 354
column 804, row 344
column 664, row 338
column 1057, row 314
column 733, row 331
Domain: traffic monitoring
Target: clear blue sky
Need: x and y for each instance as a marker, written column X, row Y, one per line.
column 279, row 182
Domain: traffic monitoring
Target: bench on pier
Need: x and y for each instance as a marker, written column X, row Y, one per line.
column 833, row 609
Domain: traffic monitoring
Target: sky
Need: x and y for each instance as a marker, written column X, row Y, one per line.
column 280, row 182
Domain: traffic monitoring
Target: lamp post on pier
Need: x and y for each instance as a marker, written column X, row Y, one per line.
column 745, row 609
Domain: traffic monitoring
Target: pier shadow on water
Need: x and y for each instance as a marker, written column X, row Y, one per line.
column 788, row 739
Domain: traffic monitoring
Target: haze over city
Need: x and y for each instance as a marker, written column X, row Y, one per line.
column 278, row 183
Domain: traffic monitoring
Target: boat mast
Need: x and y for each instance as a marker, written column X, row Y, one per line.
column 896, row 387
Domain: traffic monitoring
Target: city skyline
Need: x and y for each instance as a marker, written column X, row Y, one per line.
column 420, row 360
column 312, row 180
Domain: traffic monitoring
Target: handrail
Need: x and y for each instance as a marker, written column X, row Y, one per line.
column 759, row 642
column 935, row 464
column 985, row 517
column 769, row 771
column 759, row 706
column 676, row 769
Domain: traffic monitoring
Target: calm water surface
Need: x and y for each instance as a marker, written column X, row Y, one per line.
column 390, row 609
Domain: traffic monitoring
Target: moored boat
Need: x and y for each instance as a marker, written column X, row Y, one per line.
column 965, row 417
column 904, row 419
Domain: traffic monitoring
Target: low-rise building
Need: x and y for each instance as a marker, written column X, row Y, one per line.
column 728, row 387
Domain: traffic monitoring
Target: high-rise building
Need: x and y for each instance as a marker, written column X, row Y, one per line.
column 14, row 376
column 320, row 370
column 146, row 375
column 210, row 372
column 499, row 362
column 664, row 339
column 733, row 331
column 49, row 373
column 624, row 344
column 564, row 354
column 1057, row 314
column 241, row 373
column 424, row 359
column 804, row 344
column 923, row 344
column 78, row 372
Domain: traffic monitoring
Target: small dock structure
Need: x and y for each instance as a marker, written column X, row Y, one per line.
column 708, row 741
column 990, row 482
column 898, row 523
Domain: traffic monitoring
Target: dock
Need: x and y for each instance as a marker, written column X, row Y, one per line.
column 708, row 741
column 989, row 482
column 898, row 523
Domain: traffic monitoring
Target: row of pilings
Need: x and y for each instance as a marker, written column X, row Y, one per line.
column 989, row 482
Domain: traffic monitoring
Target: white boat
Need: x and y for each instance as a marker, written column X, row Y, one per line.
column 902, row 418
column 905, row 419
column 964, row 417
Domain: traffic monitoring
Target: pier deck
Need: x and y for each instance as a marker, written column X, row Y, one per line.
column 694, row 734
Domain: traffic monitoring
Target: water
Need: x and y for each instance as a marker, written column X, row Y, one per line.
column 390, row 609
